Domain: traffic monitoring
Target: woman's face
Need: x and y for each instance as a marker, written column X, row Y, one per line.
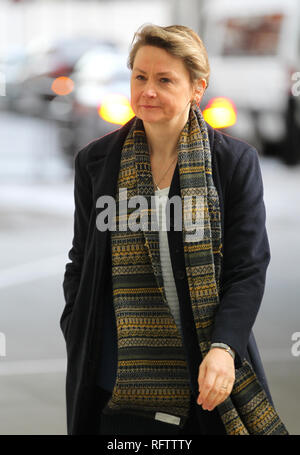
column 161, row 90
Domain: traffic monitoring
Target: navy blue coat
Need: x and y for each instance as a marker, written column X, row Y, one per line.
column 88, row 321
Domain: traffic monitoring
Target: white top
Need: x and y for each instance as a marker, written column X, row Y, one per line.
column 161, row 197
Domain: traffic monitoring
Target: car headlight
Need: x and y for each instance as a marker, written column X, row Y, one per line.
column 220, row 113
column 115, row 108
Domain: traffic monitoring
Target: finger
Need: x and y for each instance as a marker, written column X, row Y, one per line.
column 201, row 376
column 207, row 385
column 201, row 379
column 217, row 394
column 224, row 393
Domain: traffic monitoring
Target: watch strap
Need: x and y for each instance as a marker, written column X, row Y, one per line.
column 224, row 346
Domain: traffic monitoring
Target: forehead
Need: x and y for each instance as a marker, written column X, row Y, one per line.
column 151, row 58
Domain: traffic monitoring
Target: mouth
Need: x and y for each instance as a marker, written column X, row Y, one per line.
column 146, row 106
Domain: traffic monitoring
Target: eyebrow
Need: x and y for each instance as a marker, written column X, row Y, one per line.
column 159, row 74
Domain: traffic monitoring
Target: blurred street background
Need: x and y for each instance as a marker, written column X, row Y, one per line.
column 63, row 82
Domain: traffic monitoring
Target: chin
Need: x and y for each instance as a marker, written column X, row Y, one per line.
column 151, row 117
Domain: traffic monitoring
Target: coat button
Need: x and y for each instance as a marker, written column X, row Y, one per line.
column 180, row 274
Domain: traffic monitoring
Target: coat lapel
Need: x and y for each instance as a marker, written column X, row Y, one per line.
column 103, row 169
column 104, row 164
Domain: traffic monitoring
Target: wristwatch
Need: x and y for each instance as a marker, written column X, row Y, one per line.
column 224, row 346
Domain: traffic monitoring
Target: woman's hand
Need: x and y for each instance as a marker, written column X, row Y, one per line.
column 216, row 378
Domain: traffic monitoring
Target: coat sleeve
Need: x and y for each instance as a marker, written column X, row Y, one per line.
column 83, row 204
column 246, row 256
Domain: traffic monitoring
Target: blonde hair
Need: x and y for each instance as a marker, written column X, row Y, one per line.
column 179, row 41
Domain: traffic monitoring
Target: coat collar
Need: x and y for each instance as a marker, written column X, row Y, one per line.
column 104, row 161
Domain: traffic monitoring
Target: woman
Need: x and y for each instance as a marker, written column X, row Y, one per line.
column 158, row 322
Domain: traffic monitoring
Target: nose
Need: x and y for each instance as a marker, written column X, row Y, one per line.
column 149, row 89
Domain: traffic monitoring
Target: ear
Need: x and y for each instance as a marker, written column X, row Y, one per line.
column 199, row 89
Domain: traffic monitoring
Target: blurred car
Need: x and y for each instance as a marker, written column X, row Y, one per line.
column 254, row 49
column 11, row 65
column 42, row 66
column 99, row 102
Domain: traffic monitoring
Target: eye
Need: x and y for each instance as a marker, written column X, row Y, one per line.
column 139, row 77
column 165, row 80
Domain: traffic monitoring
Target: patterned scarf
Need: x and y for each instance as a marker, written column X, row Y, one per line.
column 152, row 374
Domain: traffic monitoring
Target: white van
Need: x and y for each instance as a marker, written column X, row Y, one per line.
column 254, row 53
